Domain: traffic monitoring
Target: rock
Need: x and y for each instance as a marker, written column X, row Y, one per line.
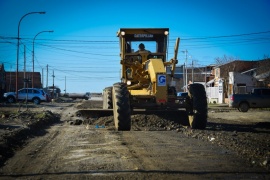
column 265, row 162
column 211, row 138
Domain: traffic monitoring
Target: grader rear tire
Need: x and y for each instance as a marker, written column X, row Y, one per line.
column 107, row 98
column 197, row 106
column 121, row 107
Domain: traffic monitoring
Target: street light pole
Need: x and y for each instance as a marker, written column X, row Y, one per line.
column 186, row 69
column 18, row 48
column 33, row 54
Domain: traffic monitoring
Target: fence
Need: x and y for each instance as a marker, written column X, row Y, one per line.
column 212, row 94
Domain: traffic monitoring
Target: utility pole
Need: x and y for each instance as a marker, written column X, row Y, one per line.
column 42, row 80
column 65, row 85
column 192, row 73
column 10, row 78
column 184, row 77
column 186, row 82
column 24, row 68
column 186, row 72
column 205, row 69
column 47, row 78
column 53, row 85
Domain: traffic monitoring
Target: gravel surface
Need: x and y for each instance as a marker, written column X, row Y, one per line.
column 247, row 134
column 236, row 132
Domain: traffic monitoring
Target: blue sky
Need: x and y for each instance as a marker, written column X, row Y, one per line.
column 84, row 49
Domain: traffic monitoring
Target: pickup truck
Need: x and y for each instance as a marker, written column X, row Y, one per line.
column 258, row 98
column 74, row 96
column 181, row 97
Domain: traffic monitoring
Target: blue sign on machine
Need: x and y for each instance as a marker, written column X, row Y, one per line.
column 161, row 80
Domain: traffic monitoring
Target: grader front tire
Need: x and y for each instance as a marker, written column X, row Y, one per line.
column 197, row 106
column 121, row 107
column 107, row 98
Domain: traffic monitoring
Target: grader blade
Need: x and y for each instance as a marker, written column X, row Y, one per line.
column 94, row 113
column 90, row 114
column 97, row 113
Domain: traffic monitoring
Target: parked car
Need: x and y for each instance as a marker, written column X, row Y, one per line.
column 31, row 94
column 182, row 96
column 259, row 98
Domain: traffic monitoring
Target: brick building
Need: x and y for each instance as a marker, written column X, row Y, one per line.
column 10, row 81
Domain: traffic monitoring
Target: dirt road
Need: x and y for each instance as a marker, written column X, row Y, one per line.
column 86, row 152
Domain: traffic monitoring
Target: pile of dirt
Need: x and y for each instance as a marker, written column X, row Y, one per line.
column 17, row 127
column 141, row 122
column 155, row 121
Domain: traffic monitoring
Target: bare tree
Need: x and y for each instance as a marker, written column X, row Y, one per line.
column 224, row 60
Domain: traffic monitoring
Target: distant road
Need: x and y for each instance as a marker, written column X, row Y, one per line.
column 96, row 97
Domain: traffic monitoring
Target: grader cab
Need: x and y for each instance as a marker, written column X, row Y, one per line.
column 146, row 79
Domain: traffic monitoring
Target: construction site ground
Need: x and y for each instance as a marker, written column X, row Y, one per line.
column 52, row 141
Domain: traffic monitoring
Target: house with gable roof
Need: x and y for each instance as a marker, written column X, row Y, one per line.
column 241, row 77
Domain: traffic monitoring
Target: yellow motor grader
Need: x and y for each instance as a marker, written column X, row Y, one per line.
column 145, row 79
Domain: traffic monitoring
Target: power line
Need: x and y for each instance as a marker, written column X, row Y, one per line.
column 87, row 48
column 225, row 36
column 115, row 41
